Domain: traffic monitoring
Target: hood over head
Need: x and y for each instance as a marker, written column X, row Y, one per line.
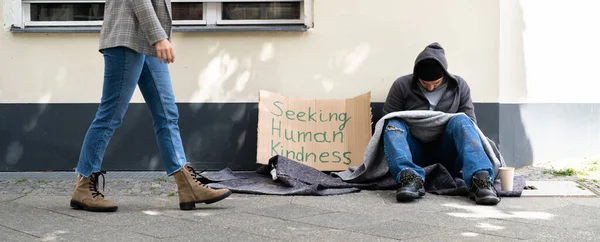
column 431, row 63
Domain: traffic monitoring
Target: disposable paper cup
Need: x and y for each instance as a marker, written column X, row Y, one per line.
column 507, row 176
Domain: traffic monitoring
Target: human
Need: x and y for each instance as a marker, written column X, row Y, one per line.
column 135, row 43
column 459, row 149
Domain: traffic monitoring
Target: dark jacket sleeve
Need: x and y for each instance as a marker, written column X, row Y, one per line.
column 466, row 104
column 395, row 99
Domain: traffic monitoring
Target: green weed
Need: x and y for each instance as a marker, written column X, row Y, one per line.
column 562, row 172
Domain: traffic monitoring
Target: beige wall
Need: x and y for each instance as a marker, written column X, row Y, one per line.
column 356, row 46
column 548, row 51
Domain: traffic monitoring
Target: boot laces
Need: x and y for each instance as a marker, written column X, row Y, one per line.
column 411, row 179
column 94, row 183
column 197, row 176
column 485, row 184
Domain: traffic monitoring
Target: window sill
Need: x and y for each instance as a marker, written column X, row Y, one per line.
column 277, row 28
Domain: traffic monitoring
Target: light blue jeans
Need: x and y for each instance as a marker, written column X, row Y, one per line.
column 458, row 148
column 124, row 69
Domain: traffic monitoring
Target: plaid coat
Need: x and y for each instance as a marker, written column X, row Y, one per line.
column 136, row 24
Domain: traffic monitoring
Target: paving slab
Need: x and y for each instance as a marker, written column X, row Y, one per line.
column 556, row 188
column 518, row 230
column 436, row 213
column 364, row 216
column 288, row 211
column 246, row 201
column 60, row 204
column 284, row 230
column 110, row 235
column 400, row 230
column 233, row 220
column 428, row 203
column 342, row 203
column 8, row 234
column 9, row 197
column 590, row 202
column 473, row 211
column 340, row 220
column 438, row 219
column 224, row 235
column 341, row 235
column 43, row 223
column 559, row 221
column 578, row 211
column 463, row 236
column 201, row 214
column 532, row 203
column 166, row 227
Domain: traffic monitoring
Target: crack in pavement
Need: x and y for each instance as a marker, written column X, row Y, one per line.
column 19, row 231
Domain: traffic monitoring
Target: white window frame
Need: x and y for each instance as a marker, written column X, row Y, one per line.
column 212, row 14
column 191, row 22
column 26, row 13
column 221, row 21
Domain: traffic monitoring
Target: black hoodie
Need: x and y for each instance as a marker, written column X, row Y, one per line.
column 405, row 93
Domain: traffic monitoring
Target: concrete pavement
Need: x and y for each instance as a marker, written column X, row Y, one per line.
column 30, row 212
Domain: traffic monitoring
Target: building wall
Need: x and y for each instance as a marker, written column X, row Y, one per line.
column 549, row 108
column 359, row 47
column 51, row 83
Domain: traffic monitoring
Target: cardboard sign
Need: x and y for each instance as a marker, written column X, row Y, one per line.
column 327, row 134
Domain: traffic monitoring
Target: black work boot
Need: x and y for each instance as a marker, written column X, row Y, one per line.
column 411, row 186
column 482, row 190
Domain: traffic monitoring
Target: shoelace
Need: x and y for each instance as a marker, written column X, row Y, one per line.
column 94, row 183
column 410, row 179
column 482, row 184
column 485, row 184
column 197, row 176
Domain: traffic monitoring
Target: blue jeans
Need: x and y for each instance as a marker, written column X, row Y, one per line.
column 124, row 69
column 458, row 148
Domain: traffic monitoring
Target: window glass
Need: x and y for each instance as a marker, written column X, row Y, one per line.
column 260, row 10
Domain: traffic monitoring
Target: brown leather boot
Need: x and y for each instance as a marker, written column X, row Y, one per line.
column 192, row 191
column 87, row 197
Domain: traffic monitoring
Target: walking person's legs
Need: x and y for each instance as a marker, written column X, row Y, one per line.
column 155, row 85
column 122, row 68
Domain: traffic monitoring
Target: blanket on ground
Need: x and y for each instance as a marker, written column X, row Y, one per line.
column 283, row 176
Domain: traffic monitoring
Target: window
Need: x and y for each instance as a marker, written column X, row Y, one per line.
column 186, row 13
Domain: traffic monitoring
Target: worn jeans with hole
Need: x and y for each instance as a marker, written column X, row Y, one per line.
column 458, row 148
column 124, row 69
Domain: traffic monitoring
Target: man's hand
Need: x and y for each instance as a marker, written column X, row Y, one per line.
column 165, row 51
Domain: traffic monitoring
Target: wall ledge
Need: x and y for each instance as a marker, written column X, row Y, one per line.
column 94, row 29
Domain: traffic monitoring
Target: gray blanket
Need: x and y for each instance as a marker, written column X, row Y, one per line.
column 283, row 176
column 426, row 126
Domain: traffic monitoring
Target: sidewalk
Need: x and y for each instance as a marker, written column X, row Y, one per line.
column 37, row 210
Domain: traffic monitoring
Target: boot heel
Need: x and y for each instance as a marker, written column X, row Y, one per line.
column 187, row 206
column 76, row 205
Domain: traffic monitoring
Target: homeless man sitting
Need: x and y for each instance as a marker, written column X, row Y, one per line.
column 432, row 87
